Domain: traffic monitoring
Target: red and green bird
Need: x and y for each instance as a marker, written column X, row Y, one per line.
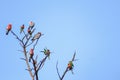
column 31, row 54
column 46, row 52
column 9, row 27
column 70, row 65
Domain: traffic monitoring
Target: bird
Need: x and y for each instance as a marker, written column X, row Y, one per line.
column 9, row 27
column 37, row 36
column 29, row 32
column 31, row 54
column 31, row 25
column 47, row 52
column 22, row 28
column 70, row 66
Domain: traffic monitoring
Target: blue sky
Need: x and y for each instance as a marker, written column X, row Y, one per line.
column 89, row 27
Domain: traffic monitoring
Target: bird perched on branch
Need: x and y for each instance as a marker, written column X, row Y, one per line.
column 46, row 52
column 70, row 66
column 31, row 25
column 29, row 32
column 31, row 54
column 37, row 36
column 9, row 27
column 22, row 28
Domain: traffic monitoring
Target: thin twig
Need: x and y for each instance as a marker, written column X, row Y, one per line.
column 41, row 63
column 29, row 44
column 28, row 40
column 35, row 70
column 17, row 37
column 58, row 70
column 20, row 51
column 74, row 56
column 23, row 38
column 29, row 70
column 66, row 70
column 23, row 59
column 64, row 73
column 25, row 54
column 35, row 44
column 25, row 35
column 36, row 58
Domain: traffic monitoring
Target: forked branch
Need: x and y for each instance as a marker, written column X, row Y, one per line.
column 66, row 70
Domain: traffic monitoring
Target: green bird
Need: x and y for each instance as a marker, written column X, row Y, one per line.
column 70, row 66
column 47, row 52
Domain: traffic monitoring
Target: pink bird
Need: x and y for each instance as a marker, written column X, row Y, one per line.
column 31, row 25
column 9, row 27
column 31, row 54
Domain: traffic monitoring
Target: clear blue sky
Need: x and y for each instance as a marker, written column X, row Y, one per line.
column 91, row 27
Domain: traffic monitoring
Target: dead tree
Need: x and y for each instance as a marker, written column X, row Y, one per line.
column 27, row 39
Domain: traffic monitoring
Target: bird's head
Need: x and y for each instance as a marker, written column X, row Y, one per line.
column 39, row 32
column 22, row 27
column 9, row 27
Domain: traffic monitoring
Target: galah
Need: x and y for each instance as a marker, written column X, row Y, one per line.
column 9, row 27
column 22, row 28
column 37, row 36
column 31, row 25
column 31, row 54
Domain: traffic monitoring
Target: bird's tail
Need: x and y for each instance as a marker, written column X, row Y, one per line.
column 29, row 59
column 7, row 32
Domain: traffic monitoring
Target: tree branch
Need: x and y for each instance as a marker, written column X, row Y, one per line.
column 17, row 37
column 28, row 66
column 25, row 35
column 41, row 63
column 35, row 44
column 66, row 70
column 35, row 67
column 58, row 70
column 64, row 73
column 35, row 70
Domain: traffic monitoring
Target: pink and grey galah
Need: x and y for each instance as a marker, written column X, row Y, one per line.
column 31, row 25
column 9, row 27
column 37, row 36
column 31, row 54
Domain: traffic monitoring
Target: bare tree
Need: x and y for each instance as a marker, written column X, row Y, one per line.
column 68, row 68
column 26, row 40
